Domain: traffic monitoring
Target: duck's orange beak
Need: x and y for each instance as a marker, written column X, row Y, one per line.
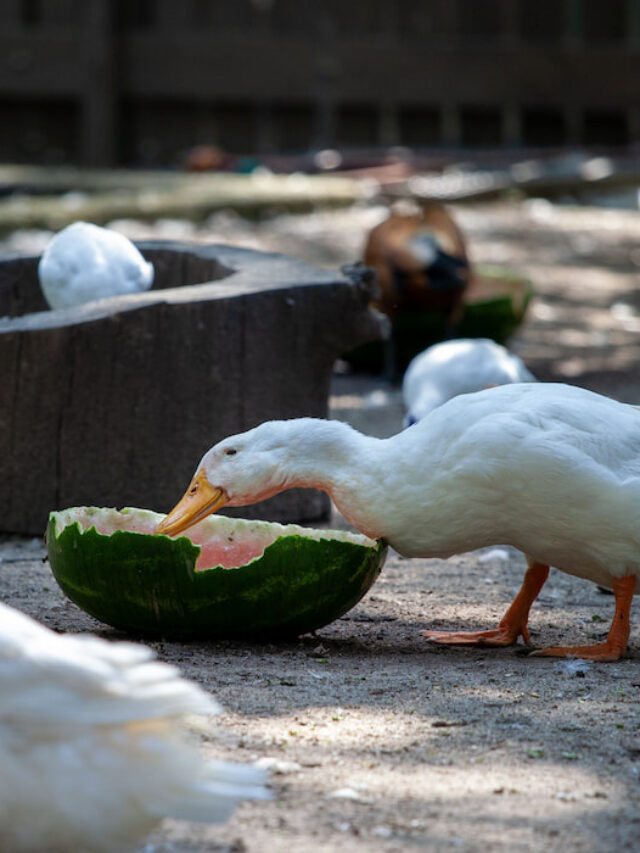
column 200, row 499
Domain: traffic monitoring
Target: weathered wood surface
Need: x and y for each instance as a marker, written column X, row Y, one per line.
column 534, row 178
column 130, row 194
column 114, row 403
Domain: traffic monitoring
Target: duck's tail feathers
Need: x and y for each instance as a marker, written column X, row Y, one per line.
column 214, row 795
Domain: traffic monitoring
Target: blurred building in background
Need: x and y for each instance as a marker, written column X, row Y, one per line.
column 140, row 82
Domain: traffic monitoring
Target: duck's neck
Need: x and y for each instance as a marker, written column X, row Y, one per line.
column 333, row 457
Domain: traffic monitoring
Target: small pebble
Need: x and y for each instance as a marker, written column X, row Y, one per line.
column 500, row 555
column 348, row 794
column 276, row 765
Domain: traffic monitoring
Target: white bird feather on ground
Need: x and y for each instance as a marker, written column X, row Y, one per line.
column 93, row 748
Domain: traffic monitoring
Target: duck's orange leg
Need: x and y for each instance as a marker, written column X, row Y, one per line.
column 513, row 623
column 616, row 643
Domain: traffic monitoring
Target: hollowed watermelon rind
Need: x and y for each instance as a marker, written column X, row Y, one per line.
column 148, row 584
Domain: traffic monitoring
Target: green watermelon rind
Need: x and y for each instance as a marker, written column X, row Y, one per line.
column 148, row 584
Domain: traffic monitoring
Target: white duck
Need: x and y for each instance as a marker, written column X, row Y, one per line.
column 550, row 469
column 84, row 262
column 455, row 367
column 92, row 750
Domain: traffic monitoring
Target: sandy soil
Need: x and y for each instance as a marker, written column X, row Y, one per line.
column 379, row 741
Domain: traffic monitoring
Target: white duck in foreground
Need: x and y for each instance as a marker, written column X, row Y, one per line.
column 92, row 752
column 84, row 262
column 455, row 367
column 550, row 469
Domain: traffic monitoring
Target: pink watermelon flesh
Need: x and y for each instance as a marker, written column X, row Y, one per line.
column 219, row 549
column 229, row 552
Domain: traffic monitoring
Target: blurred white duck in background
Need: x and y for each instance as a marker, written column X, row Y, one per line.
column 92, row 748
column 84, row 262
column 551, row 469
column 455, row 367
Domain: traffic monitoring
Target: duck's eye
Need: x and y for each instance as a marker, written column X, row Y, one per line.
column 230, row 451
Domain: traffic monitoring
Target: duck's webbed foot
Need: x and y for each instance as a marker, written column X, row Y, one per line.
column 503, row 635
column 506, row 634
column 512, row 625
column 615, row 645
column 600, row 652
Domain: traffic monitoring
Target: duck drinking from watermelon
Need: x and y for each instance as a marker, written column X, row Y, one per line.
column 550, row 469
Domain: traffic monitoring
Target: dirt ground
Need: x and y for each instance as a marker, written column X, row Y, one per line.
column 377, row 740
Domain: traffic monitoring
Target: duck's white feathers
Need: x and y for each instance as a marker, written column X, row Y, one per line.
column 84, row 262
column 551, row 469
column 455, row 367
column 65, row 680
column 92, row 744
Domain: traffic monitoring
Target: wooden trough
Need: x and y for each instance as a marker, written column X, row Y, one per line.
column 113, row 403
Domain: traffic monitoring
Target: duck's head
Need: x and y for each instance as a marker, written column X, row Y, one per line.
column 239, row 470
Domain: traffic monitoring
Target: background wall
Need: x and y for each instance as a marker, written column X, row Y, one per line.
column 137, row 82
